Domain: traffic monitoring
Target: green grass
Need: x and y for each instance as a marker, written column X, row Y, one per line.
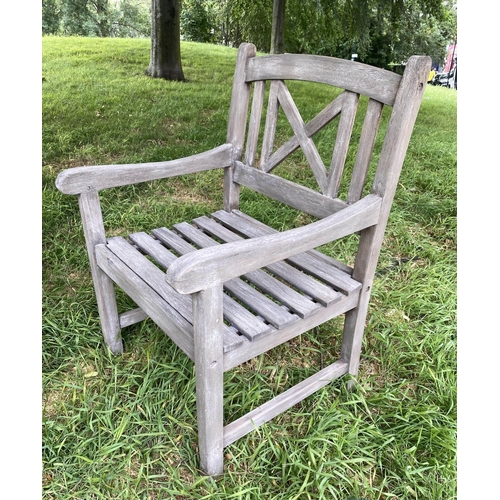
column 124, row 426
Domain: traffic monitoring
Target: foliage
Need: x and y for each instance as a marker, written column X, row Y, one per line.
column 380, row 32
column 123, row 427
column 197, row 21
column 101, row 18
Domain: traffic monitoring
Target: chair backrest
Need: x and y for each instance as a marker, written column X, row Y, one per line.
column 357, row 87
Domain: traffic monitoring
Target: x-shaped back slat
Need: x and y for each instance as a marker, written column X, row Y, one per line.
column 344, row 105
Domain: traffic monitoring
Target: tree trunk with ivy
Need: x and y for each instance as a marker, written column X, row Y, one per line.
column 165, row 59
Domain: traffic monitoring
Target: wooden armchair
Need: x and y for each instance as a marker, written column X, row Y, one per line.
column 226, row 287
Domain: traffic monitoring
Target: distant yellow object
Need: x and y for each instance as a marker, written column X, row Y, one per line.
column 432, row 74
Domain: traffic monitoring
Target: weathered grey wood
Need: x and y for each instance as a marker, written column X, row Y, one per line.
column 307, row 261
column 256, row 301
column 268, row 230
column 166, row 317
column 323, row 118
column 254, row 124
column 306, row 143
column 342, row 141
column 296, row 302
column 297, row 196
column 393, row 152
column 237, row 122
column 283, row 402
column 312, row 288
column 198, row 270
column 376, row 83
column 81, row 179
column 93, row 229
column 209, row 366
column 255, row 263
column 155, row 278
column 243, row 320
column 365, row 150
column 173, row 240
column 278, row 337
column 151, row 275
column 271, row 121
column 152, row 247
column 132, row 317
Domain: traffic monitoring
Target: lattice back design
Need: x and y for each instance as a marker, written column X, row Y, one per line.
column 344, row 108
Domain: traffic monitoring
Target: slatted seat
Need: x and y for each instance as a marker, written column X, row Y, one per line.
column 226, row 287
column 259, row 305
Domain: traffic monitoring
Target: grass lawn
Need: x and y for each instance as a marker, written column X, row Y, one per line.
column 124, row 427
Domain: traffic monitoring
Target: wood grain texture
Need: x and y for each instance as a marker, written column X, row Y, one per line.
column 360, row 78
column 164, row 315
column 208, row 348
column 226, row 287
column 342, row 141
column 208, row 266
column 312, row 288
column 93, row 229
column 300, row 197
column 81, row 179
column 254, row 125
column 365, row 150
column 391, row 159
column 237, row 122
column 306, row 143
column 323, row 118
column 248, row 324
column 272, row 312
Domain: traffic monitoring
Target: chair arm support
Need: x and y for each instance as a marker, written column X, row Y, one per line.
column 211, row 266
column 80, row 179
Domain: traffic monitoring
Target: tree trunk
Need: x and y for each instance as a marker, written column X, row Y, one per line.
column 278, row 29
column 165, row 59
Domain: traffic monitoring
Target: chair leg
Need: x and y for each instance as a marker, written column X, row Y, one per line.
column 208, row 349
column 93, row 229
column 352, row 339
column 108, row 311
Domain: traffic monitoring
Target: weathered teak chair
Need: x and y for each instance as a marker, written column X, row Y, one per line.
column 208, row 283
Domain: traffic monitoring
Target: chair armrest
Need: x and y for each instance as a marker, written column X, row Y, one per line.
column 211, row 266
column 80, row 179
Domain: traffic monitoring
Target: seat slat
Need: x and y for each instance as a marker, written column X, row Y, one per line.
column 308, row 262
column 263, row 306
column 151, row 275
column 311, row 287
column 244, row 321
column 172, row 323
column 155, row 278
column 297, row 302
column 330, row 260
column 153, row 248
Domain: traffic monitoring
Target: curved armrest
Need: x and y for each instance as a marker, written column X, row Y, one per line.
column 211, row 266
column 80, row 179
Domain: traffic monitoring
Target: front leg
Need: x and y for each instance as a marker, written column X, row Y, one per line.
column 208, row 350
